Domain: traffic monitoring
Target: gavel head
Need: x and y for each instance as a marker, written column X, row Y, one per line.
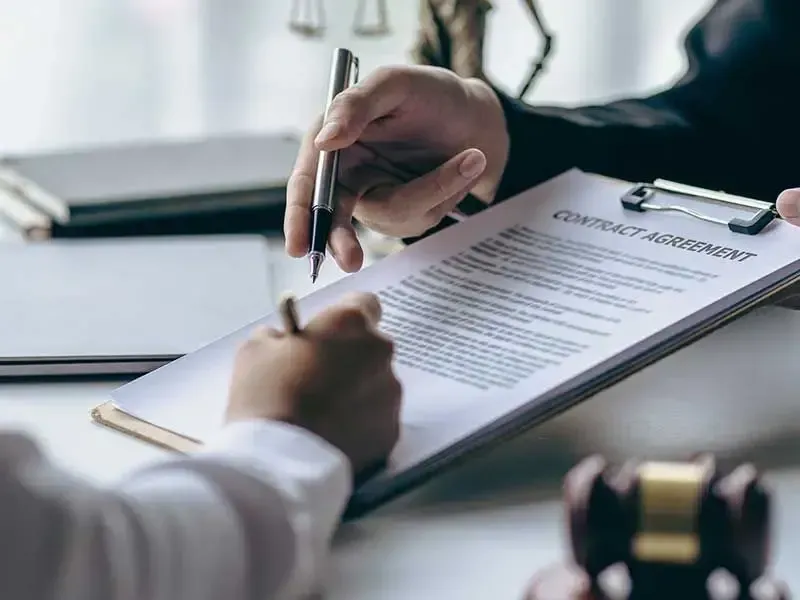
column 675, row 515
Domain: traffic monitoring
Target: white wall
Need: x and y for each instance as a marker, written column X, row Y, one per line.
column 86, row 71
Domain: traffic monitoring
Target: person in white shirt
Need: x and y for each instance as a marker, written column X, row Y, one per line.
column 248, row 517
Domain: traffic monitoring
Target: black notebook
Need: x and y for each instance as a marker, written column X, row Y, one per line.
column 225, row 184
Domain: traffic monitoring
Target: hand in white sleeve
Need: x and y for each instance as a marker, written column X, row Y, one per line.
column 250, row 516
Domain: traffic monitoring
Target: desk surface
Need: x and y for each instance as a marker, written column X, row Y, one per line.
column 505, row 504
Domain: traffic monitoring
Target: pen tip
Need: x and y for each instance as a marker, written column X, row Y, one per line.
column 315, row 262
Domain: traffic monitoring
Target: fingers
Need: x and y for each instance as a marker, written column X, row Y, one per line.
column 420, row 204
column 299, row 192
column 263, row 332
column 369, row 304
column 357, row 311
column 343, row 242
column 356, row 107
column 260, row 336
column 345, row 247
column 788, row 205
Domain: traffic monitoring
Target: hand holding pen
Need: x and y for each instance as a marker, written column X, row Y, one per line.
column 416, row 143
column 331, row 375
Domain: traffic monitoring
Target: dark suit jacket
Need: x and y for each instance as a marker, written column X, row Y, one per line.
column 732, row 121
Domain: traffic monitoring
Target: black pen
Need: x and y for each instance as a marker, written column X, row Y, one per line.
column 344, row 69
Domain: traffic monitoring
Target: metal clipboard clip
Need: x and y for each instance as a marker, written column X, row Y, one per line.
column 639, row 199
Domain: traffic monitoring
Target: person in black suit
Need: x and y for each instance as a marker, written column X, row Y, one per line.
column 417, row 140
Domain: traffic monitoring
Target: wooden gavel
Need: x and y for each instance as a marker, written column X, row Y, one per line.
column 672, row 525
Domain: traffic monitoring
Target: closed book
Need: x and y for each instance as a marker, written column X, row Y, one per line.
column 123, row 307
column 225, row 184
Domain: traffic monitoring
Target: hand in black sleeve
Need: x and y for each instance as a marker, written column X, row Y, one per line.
column 728, row 123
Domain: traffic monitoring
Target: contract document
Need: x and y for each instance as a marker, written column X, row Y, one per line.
column 512, row 316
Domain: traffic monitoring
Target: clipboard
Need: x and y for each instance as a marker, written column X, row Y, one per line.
column 640, row 198
column 110, row 416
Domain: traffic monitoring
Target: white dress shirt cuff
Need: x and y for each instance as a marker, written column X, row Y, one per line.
column 313, row 477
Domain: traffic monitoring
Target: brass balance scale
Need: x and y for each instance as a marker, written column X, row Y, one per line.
column 307, row 19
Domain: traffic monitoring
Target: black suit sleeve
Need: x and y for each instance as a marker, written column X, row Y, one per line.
column 731, row 122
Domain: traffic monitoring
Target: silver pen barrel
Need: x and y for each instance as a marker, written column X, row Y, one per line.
column 344, row 62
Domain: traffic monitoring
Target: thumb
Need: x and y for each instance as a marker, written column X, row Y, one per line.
column 788, row 205
column 420, row 204
column 451, row 179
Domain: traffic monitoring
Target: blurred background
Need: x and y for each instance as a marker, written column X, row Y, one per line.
column 78, row 72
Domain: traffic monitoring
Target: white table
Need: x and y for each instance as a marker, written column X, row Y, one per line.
column 481, row 529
